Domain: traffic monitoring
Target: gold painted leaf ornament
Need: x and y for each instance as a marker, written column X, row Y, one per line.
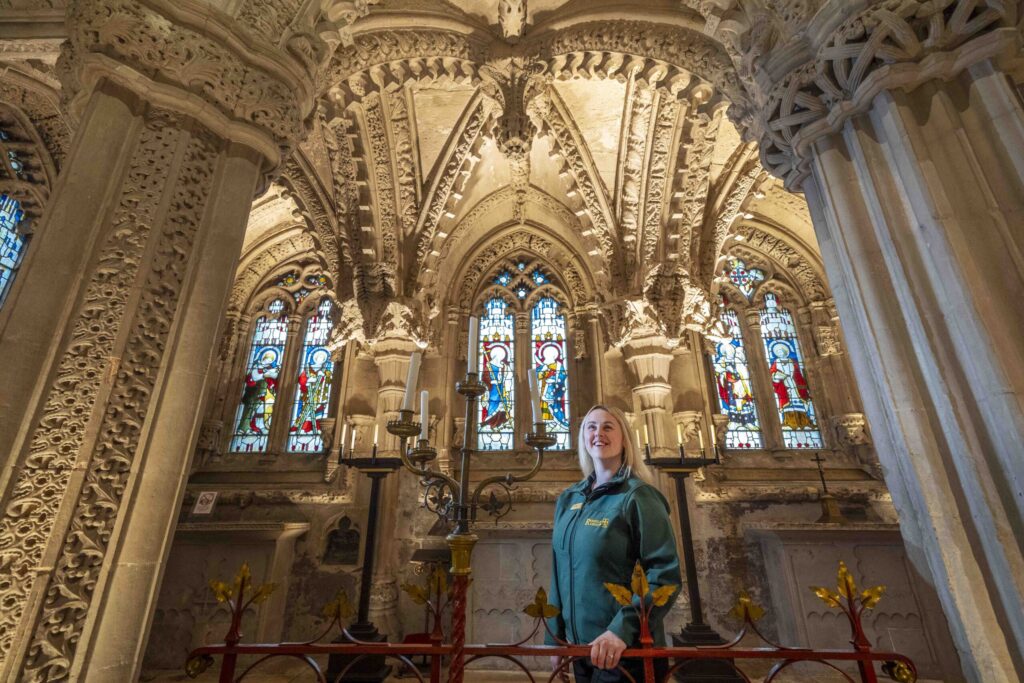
column 539, row 608
column 622, row 595
column 847, row 586
column 898, row 671
column 339, row 607
column 661, row 595
column 827, row 596
column 639, row 583
column 870, row 597
column 416, row 592
column 221, row 591
column 263, row 593
column 745, row 608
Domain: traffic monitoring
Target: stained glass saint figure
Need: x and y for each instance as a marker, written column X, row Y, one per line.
column 792, row 394
column 256, row 409
column 497, row 413
column 549, row 362
column 313, row 390
column 735, row 389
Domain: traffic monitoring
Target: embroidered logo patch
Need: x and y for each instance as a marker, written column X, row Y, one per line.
column 603, row 523
column 576, row 506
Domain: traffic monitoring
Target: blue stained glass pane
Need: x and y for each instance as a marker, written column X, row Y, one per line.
column 539, row 277
column 735, row 389
column 785, row 364
column 548, row 328
column 12, row 245
column 745, row 279
column 497, row 363
column 313, row 393
column 252, row 420
column 503, row 278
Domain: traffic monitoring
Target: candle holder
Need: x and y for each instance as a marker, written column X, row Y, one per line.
column 696, row 632
column 453, row 501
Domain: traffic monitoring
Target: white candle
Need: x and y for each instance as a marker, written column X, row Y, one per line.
column 352, row 443
column 344, row 430
column 424, row 414
column 679, row 434
column 700, row 439
column 410, row 380
column 646, row 440
column 375, row 428
column 538, row 413
column 472, row 352
column 713, row 440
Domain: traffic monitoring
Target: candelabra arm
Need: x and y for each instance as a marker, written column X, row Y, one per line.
column 509, row 478
column 424, row 472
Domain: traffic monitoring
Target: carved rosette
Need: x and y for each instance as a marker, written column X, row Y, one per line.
column 186, row 57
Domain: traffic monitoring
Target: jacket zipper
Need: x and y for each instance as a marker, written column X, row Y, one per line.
column 572, row 584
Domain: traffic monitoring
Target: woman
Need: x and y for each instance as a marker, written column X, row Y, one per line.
column 603, row 525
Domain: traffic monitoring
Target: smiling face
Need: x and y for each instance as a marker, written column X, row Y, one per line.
column 603, row 436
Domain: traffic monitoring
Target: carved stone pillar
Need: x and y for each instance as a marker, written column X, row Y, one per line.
column 109, row 358
column 597, row 347
column 908, row 141
column 649, row 359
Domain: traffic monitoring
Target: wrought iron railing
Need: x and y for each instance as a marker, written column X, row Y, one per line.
column 440, row 651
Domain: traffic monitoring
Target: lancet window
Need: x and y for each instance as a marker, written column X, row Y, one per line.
column 761, row 352
column 288, row 375
column 12, row 243
column 522, row 290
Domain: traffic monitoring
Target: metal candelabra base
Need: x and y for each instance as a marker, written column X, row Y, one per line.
column 370, row 668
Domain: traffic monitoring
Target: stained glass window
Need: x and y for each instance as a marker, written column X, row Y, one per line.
column 12, row 245
column 548, row 333
column 313, row 392
column 735, row 388
column 789, row 383
column 539, row 278
column 497, row 363
column 746, row 279
column 503, row 278
column 252, row 421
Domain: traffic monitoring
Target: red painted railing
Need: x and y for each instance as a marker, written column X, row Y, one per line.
column 448, row 655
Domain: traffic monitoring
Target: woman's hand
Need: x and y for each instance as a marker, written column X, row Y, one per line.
column 556, row 661
column 606, row 650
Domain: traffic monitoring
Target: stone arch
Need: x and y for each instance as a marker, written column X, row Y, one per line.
column 786, row 254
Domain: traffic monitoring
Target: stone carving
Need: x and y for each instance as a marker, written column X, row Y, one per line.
column 723, row 221
column 135, row 35
column 257, row 268
column 337, row 18
column 40, row 106
column 459, row 159
column 342, row 545
column 399, row 321
column 348, row 328
column 631, row 319
column 268, row 18
column 637, row 131
column 665, row 124
column 384, row 185
column 406, row 175
column 567, row 141
column 26, row 171
column 826, row 338
column 29, row 518
column 512, row 17
column 851, row 429
column 840, row 81
column 806, row 275
column 698, row 137
column 318, row 212
column 690, row 422
column 512, row 84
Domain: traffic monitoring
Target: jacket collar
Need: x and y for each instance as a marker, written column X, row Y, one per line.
column 584, row 485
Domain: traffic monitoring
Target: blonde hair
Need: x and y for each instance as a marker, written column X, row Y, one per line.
column 631, row 457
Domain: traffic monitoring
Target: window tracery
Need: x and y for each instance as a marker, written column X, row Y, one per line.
column 12, row 243
column 259, row 392
column 520, row 288
column 751, row 307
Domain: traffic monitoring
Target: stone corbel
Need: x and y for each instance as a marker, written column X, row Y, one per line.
column 689, row 423
column 851, row 429
column 337, row 18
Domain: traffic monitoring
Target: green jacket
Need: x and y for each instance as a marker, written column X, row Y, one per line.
column 598, row 537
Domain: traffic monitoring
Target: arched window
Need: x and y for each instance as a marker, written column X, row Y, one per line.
column 497, row 372
column 789, row 383
column 313, row 389
column 259, row 393
column 12, row 244
column 548, row 335
column 735, row 387
column 745, row 279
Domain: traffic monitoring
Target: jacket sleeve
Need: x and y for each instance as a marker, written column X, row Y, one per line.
column 555, row 624
column 648, row 518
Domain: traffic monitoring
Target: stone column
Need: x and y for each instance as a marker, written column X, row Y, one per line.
column 391, row 355
column 109, row 357
column 649, row 358
column 595, row 341
column 913, row 168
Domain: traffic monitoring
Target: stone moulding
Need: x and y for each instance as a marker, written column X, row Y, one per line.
column 184, row 57
column 891, row 45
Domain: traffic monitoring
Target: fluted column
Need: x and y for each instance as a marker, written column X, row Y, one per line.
column 908, row 141
column 649, row 360
column 109, row 357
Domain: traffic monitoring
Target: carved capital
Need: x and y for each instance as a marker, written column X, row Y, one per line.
column 187, row 57
column 888, row 44
column 689, row 424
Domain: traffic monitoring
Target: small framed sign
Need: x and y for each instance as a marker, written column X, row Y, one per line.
column 204, row 503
